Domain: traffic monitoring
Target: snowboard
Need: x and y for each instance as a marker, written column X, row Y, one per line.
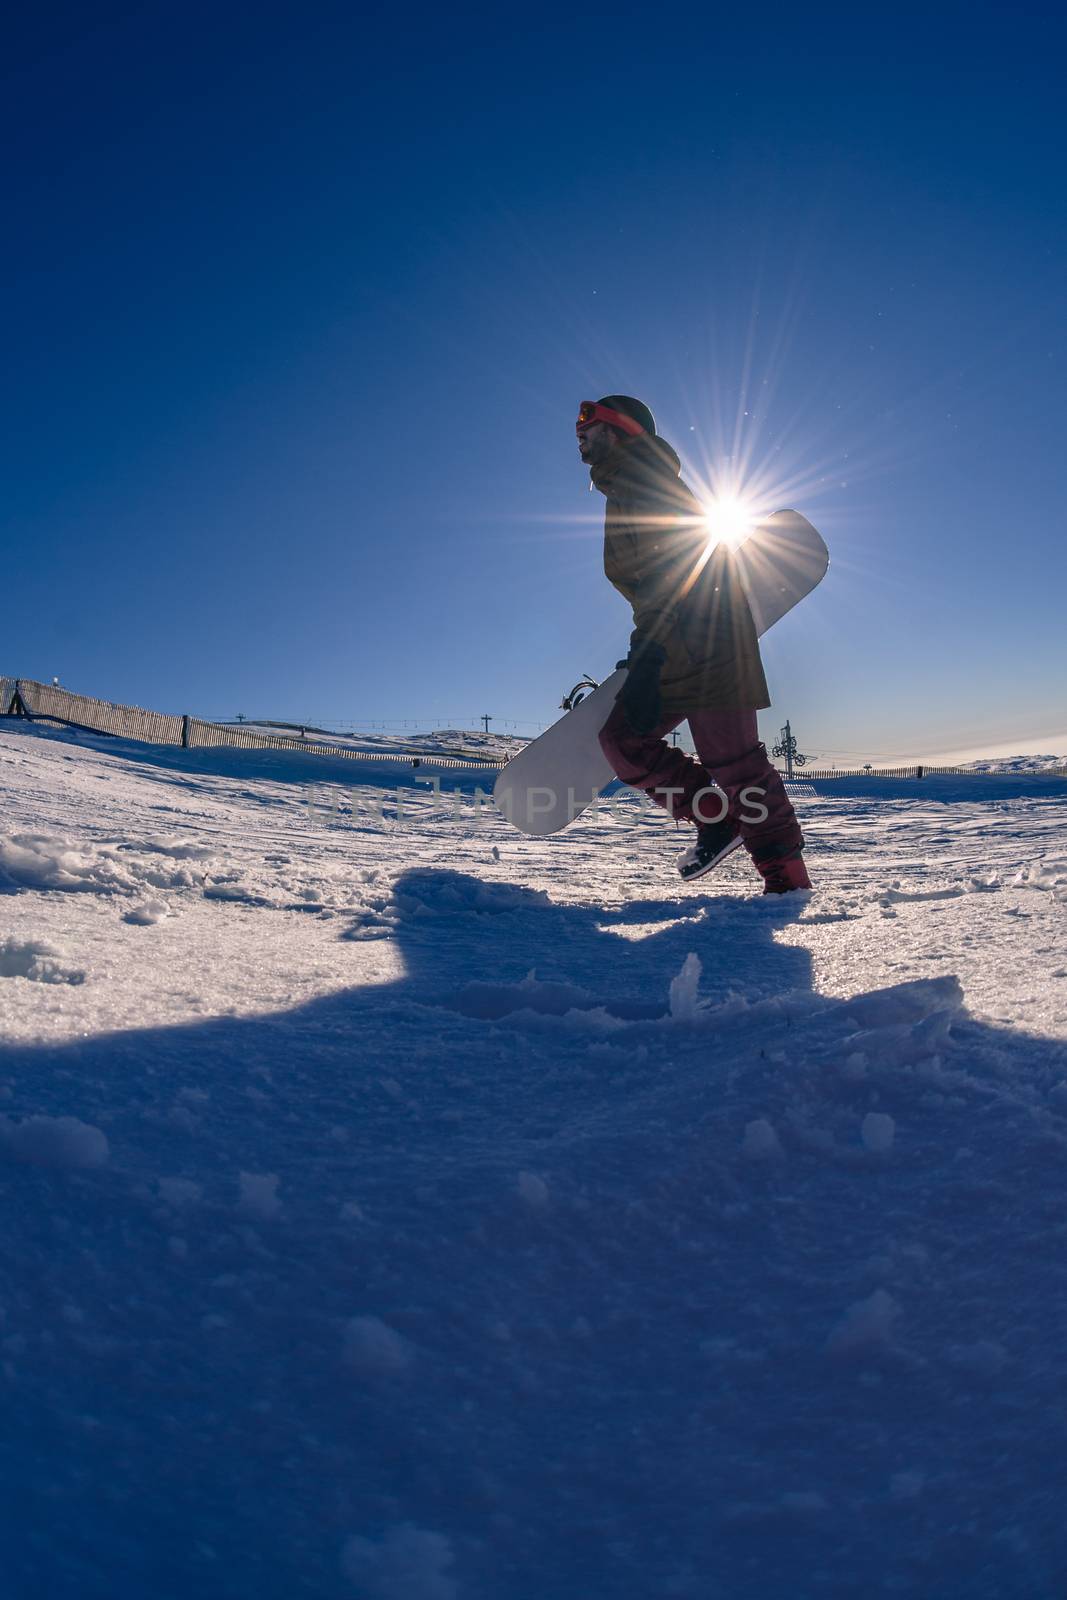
column 557, row 776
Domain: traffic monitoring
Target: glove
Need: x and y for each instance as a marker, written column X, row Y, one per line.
column 640, row 694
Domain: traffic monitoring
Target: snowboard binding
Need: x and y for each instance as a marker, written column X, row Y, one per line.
column 576, row 695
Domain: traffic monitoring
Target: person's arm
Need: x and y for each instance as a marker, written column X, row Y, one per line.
column 655, row 603
column 672, row 558
column 640, row 694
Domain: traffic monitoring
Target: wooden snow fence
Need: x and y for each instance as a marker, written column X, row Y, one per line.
column 43, row 702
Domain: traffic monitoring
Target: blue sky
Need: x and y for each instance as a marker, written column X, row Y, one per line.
column 299, row 303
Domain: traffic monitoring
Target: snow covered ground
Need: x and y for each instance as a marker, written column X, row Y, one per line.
column 408, row 1209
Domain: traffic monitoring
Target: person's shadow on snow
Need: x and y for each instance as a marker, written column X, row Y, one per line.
column 242, row 1326
column 479, row 958
column 487, row 949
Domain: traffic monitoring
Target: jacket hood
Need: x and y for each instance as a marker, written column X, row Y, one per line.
column 644, row 457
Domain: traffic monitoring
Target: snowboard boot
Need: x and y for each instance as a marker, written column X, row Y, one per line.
column 713, row 843
column 782, row 870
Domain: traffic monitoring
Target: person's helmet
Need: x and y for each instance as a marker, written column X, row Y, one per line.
column 630, row 408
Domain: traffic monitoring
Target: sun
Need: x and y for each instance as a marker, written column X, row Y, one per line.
column 729, row 518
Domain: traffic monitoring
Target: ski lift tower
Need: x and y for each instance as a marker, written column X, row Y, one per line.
column 787, row 747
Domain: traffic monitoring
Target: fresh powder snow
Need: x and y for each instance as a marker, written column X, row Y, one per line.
column 401, row 1207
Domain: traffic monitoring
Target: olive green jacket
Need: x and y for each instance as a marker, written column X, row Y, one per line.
column 688, row 600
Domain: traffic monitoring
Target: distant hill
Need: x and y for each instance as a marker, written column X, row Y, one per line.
column 1015, row 764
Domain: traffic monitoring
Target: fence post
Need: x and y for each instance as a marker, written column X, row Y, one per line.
column 185, row 732
column 918, row 772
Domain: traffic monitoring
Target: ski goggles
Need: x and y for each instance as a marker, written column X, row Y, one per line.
column 589, row 412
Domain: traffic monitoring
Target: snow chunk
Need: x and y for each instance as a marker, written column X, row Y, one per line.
column 761, row 1142
column 1048, row 873
column 41, row 861
column 905, row 1023
column 148, row 913
column 866, row 1328
column 374, row 1348
column 877, row 1132
column 65, row 1143
column 409, row 1564
column 683, row 1002
column 50, row 861
column 906, row 1003
column 37, row 962
column 259, row 1196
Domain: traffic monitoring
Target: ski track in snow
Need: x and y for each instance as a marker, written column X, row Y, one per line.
column 414, row 1210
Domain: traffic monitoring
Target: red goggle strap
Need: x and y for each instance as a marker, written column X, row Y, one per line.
column 588, row 414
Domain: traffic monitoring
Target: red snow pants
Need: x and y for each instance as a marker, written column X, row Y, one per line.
column 731, row 758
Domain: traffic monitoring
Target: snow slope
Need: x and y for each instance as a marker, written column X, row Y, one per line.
column 1019, row 764
column 401, row 1207
column 442, row 741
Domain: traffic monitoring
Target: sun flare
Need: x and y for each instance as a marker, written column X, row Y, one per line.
column 729, row 519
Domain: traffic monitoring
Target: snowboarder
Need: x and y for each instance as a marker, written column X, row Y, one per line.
column 694, row 656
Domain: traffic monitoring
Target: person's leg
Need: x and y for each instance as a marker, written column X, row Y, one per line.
column 729, row 747
column 646, row 761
